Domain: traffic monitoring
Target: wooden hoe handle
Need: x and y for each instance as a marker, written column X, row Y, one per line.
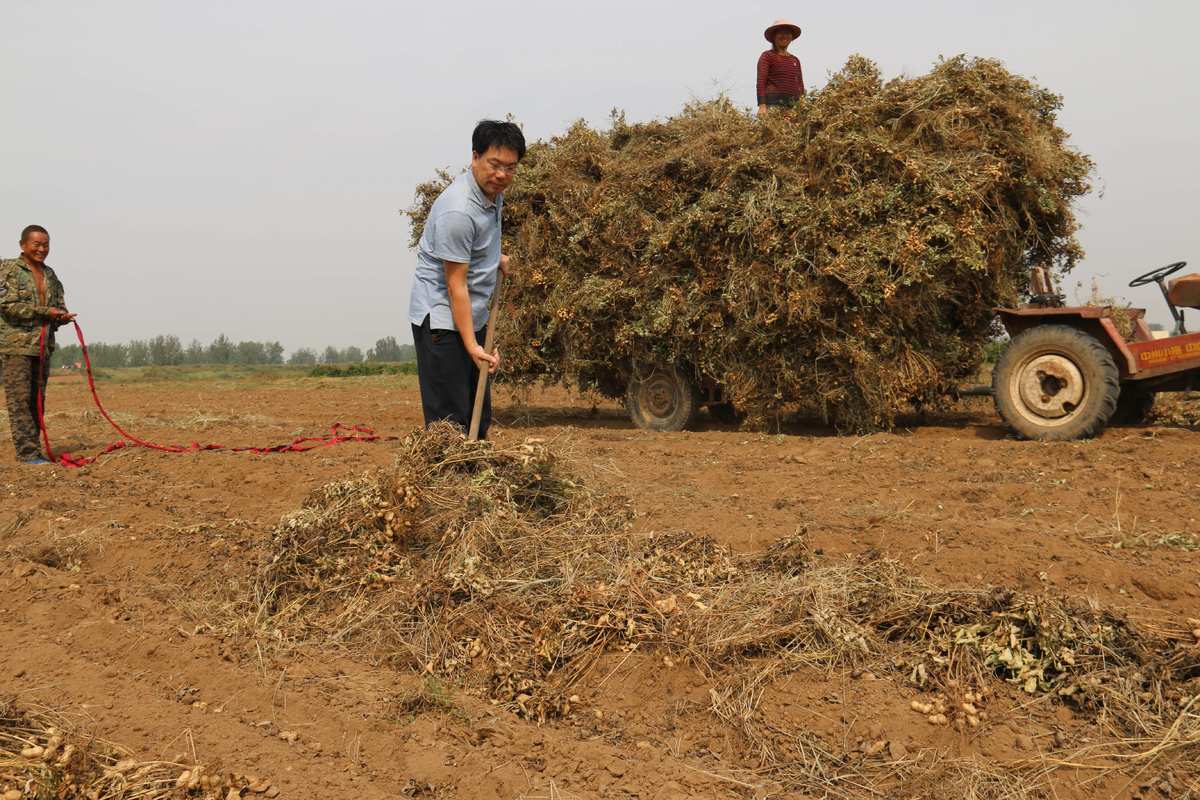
column 488, row 346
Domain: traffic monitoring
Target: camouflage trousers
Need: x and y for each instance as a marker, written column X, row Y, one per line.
column 22, row 374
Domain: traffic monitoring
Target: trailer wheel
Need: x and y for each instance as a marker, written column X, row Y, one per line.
column 663, row 399
column 1056, row 383
column 1133, row 406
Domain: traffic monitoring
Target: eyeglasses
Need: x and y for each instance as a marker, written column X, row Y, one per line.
column 500, row 166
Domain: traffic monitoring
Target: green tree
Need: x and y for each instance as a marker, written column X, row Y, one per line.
column 304, row 356
column 250, row 353
column 165, row 351
column 387, row 349
column 139, row 353
column 108, row 356
column 68, row 354
column 220, row 351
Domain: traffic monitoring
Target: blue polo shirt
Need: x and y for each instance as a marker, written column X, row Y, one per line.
column 463, row 226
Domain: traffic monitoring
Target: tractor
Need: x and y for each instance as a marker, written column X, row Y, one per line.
column 1068, row 371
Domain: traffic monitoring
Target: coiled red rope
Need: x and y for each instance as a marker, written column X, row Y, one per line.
column 338, row 433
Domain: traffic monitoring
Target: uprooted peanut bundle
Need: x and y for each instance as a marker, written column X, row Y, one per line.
column 495, row 568
column 843, row 259
column 43, row 756
column 1179, row 409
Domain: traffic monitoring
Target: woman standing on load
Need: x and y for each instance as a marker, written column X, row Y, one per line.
column 780, row 79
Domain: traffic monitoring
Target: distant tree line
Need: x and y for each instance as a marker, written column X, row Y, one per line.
column 168, row 351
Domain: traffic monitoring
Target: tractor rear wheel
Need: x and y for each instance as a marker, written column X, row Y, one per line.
column 1133, row 406
column 662, row 399
column 1056, row 383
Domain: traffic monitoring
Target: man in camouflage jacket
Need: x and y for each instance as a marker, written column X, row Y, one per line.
column 31, row 296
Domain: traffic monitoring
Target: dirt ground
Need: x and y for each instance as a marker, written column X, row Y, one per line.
column 107, row 574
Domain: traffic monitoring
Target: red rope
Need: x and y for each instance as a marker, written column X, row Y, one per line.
column 356, row 433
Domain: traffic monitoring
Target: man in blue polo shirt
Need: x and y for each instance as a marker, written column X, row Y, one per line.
column 457, row 259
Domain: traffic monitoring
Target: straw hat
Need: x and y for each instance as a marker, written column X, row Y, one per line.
column 769, row 33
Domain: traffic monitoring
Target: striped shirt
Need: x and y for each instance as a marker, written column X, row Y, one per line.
column 779, row 74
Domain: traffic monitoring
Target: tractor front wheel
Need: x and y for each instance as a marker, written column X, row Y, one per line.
column 1056, row 383
column 662, row 399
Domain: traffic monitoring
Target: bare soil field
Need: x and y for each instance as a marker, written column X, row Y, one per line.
column 117, row 580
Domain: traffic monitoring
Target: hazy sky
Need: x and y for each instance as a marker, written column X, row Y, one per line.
column 208, row 167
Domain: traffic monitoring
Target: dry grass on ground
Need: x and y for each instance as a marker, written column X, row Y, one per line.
column 497, row 570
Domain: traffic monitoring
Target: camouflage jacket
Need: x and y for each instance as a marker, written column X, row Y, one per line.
column 21, row 313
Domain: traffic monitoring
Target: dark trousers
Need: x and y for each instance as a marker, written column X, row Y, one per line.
column 784, row 100
column 449, row 378
column 22, row 376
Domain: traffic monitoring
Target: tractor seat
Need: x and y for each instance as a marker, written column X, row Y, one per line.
column 1185, row 291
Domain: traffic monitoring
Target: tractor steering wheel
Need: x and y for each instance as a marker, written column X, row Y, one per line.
column 1156, row 275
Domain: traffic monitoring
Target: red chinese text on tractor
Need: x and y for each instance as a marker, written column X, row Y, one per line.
column 1068, row 371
